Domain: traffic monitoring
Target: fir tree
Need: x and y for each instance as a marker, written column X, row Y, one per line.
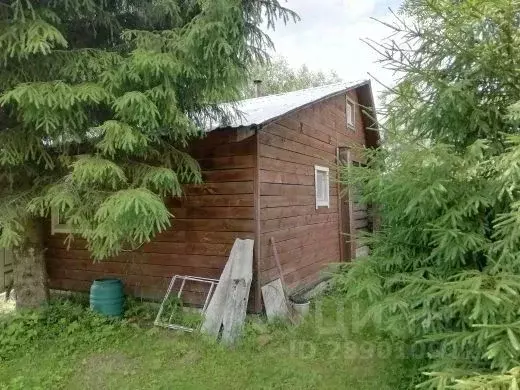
column 98, row 102
column 444, row 267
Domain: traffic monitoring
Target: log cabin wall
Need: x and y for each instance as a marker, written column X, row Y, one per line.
column 307, row 238
column 256, row 186
column 207, row 221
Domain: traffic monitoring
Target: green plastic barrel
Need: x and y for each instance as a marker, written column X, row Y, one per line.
column 106, row 297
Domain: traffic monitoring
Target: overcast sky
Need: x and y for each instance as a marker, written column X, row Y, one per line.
column 329, row 36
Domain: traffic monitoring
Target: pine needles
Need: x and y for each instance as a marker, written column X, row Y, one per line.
column 444, row 266
column 99, row 101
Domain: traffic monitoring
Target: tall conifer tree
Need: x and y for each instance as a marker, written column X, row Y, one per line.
column 444, row 271
column 98, row 101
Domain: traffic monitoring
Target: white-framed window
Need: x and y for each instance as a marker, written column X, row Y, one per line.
column 322, row 182
column 58, row 225
column 351, row 114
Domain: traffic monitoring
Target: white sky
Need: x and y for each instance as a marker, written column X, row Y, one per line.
column 329, row 36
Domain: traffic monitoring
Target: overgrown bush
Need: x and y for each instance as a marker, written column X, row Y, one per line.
column 444, row 270
column 140, row 311
column 63, row 321
column 444, row 266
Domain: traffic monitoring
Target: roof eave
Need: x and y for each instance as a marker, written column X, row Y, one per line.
column 304, row 106
column 371, row 122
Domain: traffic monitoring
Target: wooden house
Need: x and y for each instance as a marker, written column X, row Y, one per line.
column 270, row 176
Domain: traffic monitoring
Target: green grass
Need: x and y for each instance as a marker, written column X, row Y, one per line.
column 320, row 353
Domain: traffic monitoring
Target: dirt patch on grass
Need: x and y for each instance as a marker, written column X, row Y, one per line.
column 192, row 357
column 96, row 369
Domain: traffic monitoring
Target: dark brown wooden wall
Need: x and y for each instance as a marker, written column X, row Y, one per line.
column 307, row 238
column 258, row 187
column 207, row 221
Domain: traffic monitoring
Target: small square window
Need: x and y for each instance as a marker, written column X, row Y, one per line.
column 351, row 114
column 321, row 176
column 58, row 224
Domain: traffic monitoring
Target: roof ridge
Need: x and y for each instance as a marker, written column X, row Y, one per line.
column 260, row 110
column 347, row 84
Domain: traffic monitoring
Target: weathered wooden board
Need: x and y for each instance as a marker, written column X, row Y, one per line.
column 215, row 311
column 359, row 207
column 229, row 302
column 278, row 264
column 274, row 301
column 361, row 214
column 361, row 223
column 363, row 251
column 236, row 307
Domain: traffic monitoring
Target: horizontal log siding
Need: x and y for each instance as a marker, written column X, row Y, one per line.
column 206, row 222
column 307, row 238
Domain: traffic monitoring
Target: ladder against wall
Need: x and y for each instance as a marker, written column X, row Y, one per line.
column 6, row 268
column 356, row 217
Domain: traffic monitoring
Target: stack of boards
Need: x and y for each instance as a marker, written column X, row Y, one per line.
column 226, row 312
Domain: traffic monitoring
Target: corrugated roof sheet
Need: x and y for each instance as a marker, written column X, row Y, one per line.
column 264, row 109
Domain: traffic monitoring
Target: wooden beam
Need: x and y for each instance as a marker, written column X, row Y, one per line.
column 257, row 293
column 242, row 134
column 228, row 306
column 236, row 306
column 274, row 301
column 215, row 311
column 342, row 251
column 277, row 261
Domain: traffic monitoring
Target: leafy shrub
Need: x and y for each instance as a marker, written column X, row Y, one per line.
column 140, row 311
column 63, row 321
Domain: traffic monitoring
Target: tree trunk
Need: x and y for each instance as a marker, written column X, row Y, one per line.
column 30, row 281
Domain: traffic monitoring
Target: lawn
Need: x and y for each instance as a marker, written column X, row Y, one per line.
column 323, row 352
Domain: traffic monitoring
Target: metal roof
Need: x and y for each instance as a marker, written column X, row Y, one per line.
column 258, row 111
